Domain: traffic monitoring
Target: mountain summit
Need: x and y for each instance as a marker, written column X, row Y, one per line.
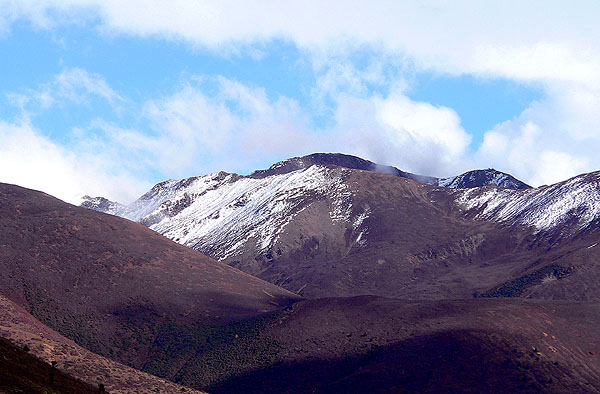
column 479, row 178
column 338, row 225
column 475, row 178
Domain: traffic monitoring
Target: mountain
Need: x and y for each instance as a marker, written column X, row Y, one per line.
column 75, row 278
column 147, row 202
column 334, row 225
column 479, row 178
column 114, row 286
column 338, row 160
column 101, row 204
column 569, row 206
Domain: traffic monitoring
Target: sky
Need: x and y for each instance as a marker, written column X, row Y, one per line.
column 107, row 98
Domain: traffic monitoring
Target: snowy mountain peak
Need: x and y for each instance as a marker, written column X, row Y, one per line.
column 480, row 178
column 575, row 201
column 323, row 159
column 475, row 178
column 338, row 160
column 225, row 211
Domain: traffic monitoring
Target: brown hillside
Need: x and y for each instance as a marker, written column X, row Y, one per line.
column 47, row 345
column 113, row 285
column 377, row 345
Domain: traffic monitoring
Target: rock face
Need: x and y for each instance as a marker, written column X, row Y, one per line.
column 337, row 225
column 101, row 204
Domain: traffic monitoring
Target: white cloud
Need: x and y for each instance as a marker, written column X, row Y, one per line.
column 530, row 40
column 235, row 127
column 549, row 142
column 395, row 130
column 29, row 159
column 238, row 127
column 72, row 85
column 76, row 85
column 538, row 42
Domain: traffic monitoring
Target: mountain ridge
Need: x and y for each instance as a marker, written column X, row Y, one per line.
column 341, row 228
column 469, row 179
column 113, row 285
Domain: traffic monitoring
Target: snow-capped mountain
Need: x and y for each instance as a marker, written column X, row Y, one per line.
column 570, row 205
column 222, row 212
column 475, row 178
column 330, row 224
column 479, row 178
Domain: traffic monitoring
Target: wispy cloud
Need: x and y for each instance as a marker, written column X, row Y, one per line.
column 72, row 85
column 76, row 85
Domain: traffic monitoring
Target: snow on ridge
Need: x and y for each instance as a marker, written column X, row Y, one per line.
column 222, row 212
column 544, row 208
column 158, row 201
column 357, row 223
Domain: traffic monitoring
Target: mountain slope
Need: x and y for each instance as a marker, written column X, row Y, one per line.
column 21, row 372
column 127, row 292
column 327, row 230
column 47, row 345
column 101, row 204
column 376, row 345
column 331, row 225
column 112, row 285
column 572, row 204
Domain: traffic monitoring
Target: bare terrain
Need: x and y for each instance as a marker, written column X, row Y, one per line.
column 113, row 286
column 435, row 289
column 336, row 225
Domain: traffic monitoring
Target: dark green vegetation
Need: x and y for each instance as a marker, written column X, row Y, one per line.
column 517, row 287
column 20, row 372
column 209, row 355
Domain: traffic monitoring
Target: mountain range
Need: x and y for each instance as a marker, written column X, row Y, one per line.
column 323, row 273
column 337, row 225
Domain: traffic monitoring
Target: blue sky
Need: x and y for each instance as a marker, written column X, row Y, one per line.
column 99, row 98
